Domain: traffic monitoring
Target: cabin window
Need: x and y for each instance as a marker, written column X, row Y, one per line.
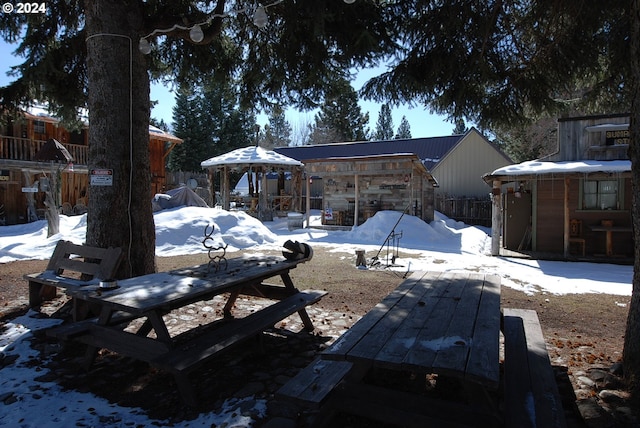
column 39, row 127
column 602, row 194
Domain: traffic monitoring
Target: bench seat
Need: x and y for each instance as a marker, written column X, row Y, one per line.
column 183, row 359
column 531, row 393
column 72, row 330
column 313, row 384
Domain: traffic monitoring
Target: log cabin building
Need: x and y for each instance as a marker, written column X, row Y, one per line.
column 22, row 138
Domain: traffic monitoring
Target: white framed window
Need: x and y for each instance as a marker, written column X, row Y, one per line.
column 602, row 195
column 39, row 127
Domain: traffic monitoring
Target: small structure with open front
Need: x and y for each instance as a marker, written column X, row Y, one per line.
column 574, row 203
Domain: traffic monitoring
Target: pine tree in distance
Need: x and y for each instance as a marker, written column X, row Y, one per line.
column 384, row 125
column 404, row 130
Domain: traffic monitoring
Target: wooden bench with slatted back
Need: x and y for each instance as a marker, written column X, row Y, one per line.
column 72, row 266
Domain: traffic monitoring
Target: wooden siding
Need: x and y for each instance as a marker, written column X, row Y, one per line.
column 549, row 214
column 20, row 141
column 460, row 172
column 382, row 184
column 13, row 199
column 580, row 143
column 550, row 219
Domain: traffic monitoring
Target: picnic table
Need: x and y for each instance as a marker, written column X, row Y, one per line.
column 149, row 297
column 442, row 324
column 429, row 354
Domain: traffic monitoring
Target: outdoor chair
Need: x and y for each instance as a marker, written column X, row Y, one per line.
column 575, row 235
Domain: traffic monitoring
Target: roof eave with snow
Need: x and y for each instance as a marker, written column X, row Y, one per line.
column 252, row 155
column 538, row 168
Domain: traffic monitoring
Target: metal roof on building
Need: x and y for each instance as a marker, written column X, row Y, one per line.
column 429, row 150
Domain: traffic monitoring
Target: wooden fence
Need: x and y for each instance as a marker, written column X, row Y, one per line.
column 472, row 211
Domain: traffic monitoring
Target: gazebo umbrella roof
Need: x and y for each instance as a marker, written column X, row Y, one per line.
column 252, row 155
column 52, row 150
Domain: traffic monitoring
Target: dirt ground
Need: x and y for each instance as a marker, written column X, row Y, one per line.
column 581, row 329
column 582, row 332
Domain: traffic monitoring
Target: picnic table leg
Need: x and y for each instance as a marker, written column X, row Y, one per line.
column 480, row 398
column 159, row 326
column 232, row 300
column 145, row 328
column 288, row 283
column 185, row 389
column 304, row 316
column 92, row 351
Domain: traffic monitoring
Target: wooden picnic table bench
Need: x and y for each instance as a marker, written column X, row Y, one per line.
column 73, row 266
column 531, row 393
column 150, row 297
column 445, row 326
column 440, row 324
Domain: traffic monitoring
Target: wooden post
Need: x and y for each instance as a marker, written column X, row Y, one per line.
column 356, row 202
column 496, row 217
column 565, row 234
column 225, row 189
column 265, row 210
column 308, row 200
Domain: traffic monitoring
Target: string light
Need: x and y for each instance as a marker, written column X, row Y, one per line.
column 260, row 20
column 196, row 33
column 144, row 46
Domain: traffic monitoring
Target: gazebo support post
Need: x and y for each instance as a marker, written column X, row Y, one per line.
column 296, row 190
column 496, row 217
column 264, row 211
column 225, row 189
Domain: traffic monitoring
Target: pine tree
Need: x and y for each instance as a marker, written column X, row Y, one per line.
column 460, row 127
column 404, row 130
column 340, row 118
column 211, row 122
column 84, row 54
column 277, row 132
column 384, row 126
column 189, row 125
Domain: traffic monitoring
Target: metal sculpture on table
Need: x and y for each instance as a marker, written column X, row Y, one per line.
column 216, row 261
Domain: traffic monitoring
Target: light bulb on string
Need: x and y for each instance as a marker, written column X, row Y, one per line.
column 196, row 34
column 144, row 46
column 260, row 18
column 349, row 1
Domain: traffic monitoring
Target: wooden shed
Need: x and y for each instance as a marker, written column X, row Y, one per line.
column 355, row 188
column 575, row 203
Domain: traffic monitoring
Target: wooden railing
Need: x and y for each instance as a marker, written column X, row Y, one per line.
column 25, row 149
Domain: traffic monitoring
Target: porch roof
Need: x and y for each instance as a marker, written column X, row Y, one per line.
column 535, row 168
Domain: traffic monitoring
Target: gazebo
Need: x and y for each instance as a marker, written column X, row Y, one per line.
column 255, row 161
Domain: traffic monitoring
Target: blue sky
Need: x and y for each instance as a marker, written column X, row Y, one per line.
column 423, row 124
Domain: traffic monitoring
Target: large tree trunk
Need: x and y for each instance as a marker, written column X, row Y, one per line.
column 631, row 353
column 119, row 213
